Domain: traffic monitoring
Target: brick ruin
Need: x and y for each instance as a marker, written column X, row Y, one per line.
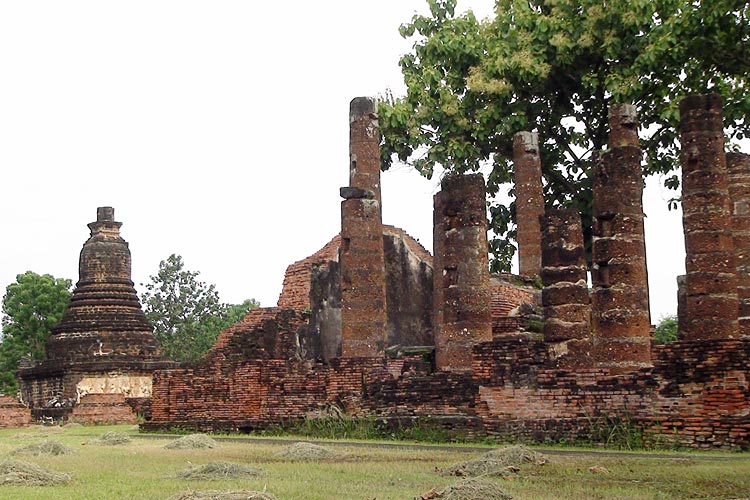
column 100, row 358
column 373, row 326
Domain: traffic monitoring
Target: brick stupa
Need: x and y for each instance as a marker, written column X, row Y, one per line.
column 104, row 343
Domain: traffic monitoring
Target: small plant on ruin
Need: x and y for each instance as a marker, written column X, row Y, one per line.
column 500, row 462
column 666, row 329
column 49, row 447
column 26, row 474
column 111, row 439
column 220, row 470
column 615, row 432
column 191, row 441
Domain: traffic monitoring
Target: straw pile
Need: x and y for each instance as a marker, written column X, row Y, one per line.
column 49, row 447
column 220, row 470
column 223, row 495
column 111, row 438
column 474, row 489
column 191, row 442
column 308, row 451
column 23, row 473
column 498, row 462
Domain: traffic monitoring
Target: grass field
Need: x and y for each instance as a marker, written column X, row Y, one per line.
column 144, row 469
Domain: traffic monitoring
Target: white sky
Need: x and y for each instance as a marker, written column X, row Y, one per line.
column 217, row 130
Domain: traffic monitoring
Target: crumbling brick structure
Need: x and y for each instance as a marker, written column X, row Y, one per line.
column 620, row 309
column 738, row 180
column 527, row 170
column 462, row 280
column 286, row 364
column 565, row 296
column 711, row 279
column 363, row 313
column 103, row 344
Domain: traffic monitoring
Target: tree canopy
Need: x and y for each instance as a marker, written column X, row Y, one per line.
column 186, row 313
column 31, row 307
column 554, row 66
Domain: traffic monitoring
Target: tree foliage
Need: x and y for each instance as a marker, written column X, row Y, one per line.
column 666, row 329
column 31, row 307
column 554, row 66
column 186, row 313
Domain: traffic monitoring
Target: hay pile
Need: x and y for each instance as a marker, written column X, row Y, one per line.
column 72, row 425
column 500, row 462
column 49, row 447
column 220, row 470
column 473, row 489
column 308, row 451
column 191, row 442
column 111, row 438
column 223, row 495
column 26, row 474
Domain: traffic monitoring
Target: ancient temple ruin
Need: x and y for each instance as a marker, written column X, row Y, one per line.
column 375, row 326
column 100, row 358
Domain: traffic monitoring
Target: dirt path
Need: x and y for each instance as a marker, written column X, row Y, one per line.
column 474, row 449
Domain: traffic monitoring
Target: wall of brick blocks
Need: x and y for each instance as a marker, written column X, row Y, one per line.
column 697, row 394
column 13, row 413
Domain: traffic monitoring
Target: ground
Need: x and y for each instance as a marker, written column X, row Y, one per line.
column 144, row 469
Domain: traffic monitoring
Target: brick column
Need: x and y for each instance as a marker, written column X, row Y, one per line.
column 619, row 301
column 363, row 302
column 462, row 282
column 527, row 169
column 710, row 282
column 738, row 180
column 565, row 296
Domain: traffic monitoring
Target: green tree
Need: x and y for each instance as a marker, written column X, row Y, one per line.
column 186, row 313
column 31, row 307
column 554, row 66
column 666, row 329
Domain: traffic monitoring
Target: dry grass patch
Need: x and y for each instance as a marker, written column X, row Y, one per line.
column 27, row 474
column 191, row 442
column 308, row 451
column 111, row 438
column 220, row 470
column 500, row 462
column 223, row 495
column 49, row 447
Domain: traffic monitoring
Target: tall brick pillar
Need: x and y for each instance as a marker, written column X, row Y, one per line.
column 565, row 296
column 738, row 180
column 710, row 281
column 363, row 300
column 461, row 277
column 619, row 301
column 529, row 202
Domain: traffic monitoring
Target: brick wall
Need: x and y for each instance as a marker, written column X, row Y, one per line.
column 13, row 413
column 696, row 395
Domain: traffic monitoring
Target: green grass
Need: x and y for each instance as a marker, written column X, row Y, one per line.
column 144, row 469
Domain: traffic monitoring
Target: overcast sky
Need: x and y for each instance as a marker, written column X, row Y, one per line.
column 217, row 131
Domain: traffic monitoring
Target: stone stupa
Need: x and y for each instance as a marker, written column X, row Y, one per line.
column 104, row 343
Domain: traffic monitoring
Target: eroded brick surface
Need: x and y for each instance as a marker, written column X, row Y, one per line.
column 619, row 299
column 738, row 182
column 527, row 169
column 462, row 282
column 711, row 280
